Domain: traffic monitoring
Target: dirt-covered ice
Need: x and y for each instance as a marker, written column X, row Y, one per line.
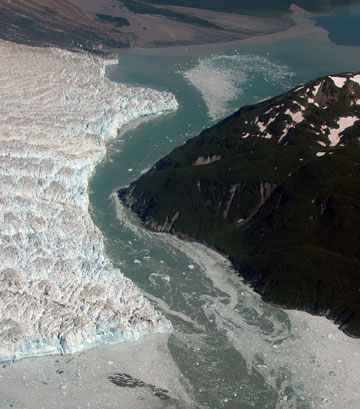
column 81, row 381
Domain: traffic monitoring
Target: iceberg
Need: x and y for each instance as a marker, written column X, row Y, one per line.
column 58, row 292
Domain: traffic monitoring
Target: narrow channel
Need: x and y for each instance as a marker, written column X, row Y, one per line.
column 232, row 350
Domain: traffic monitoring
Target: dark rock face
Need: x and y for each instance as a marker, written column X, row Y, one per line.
column 277, row 189
column 56, row 23
column 127, row 381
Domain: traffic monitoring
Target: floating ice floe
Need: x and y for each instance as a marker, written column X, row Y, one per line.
column 58, row 292
column 220, row 79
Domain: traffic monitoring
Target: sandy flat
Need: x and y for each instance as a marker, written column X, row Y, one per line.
column 302, row 27
column 147, row 30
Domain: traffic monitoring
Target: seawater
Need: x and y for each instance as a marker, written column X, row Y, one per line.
column 342, row 25
column 233, row 350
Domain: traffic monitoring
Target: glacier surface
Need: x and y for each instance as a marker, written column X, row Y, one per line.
column 58, row 293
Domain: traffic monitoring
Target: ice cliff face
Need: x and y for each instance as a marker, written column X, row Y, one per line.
column 58, row 294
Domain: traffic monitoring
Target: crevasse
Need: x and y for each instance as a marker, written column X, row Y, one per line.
column 58, row 293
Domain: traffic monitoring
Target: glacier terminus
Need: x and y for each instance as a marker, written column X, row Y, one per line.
column 58, row 292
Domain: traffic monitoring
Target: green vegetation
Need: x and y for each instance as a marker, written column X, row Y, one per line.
column 287, row 217
column 117, row 21
column 140, row 7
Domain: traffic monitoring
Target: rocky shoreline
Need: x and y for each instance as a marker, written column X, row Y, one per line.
column 127, row 381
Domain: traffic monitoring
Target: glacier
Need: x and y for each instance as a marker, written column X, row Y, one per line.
column 58, row 292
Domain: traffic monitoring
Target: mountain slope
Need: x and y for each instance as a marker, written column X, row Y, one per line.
column 276, row 187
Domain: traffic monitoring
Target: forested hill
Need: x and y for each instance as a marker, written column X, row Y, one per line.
column 276, row 187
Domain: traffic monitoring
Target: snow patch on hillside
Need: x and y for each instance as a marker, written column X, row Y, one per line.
column 339, row 81
column 356, row 78
column 343, row 123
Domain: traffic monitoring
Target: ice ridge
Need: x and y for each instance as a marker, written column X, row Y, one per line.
column 58, row 293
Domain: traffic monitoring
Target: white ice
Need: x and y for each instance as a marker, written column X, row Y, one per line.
column 343, row 123
column 220, row 79
column 59, row 294
column 263, row 128
column 356, row 78
column 339, row 81
column 297, row 117
column 316, row 89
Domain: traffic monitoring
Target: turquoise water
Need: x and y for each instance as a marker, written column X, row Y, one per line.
column 343, row 25
column 233, row 350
